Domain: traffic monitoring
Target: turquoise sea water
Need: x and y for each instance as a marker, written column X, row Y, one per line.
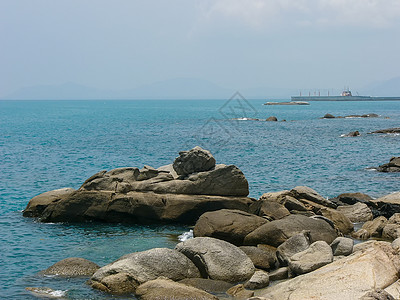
column 46, row 145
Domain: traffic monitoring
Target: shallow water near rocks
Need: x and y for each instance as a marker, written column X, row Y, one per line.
column 46, row 145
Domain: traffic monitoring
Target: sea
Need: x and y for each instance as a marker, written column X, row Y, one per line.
column 46, row 145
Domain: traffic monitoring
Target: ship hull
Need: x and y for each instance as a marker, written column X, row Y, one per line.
column 343, row 98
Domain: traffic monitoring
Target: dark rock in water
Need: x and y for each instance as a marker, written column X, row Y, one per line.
column 389, row 130
column 125, row 274
column 165, row 289
column 228, row 225
column 147, row 195
column 72, row 267
column 392, row 166
column 276, row 232
column 370, row 116
column 193, row 161
column 351, row 198
column 217, row 259
column 263, row 257
column 208, row 285
column 353, row 134
column 329, row 116
column 239, row 292
column 273, row 119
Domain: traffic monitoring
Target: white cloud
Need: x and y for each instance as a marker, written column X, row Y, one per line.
column 264, row 14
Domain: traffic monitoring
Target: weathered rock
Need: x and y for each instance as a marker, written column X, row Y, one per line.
column 388, row 205
column 394, row 290
column 293, row 245
column 137, row 207
column 391, row 230
column 279, row 274
column 39, row 203
column 208, row 285
column 71, row 267
column 329, row 116
column 272, row 118
column 169, row 290
column 375, row 267
column 351, row 198
column 259, row 280
column 309, row 194
column 293, row 205
column 392, row 166
column 263, row 257
column 217, row 259
column 131, row 270
column 342, row 246
column 317, row 255
column 169, row 169
column 276, row 232
column 274, row 196
column 193, row 161
column 269, row 209
column 377, row 295
column 358, row 212
column 339, row 219
column 371, row 228
column 396, row 244
column 389, row 130
column 239, row 292
column 228, row 225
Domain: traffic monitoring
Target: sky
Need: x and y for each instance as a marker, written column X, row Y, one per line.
column 123, row 44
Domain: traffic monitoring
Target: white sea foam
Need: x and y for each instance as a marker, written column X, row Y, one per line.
column 186, row 235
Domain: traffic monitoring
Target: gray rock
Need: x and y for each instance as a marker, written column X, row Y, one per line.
column 396, row 244
column 279, row 274
column 72, row 267
column 358, row 212
column 165, row 289
column 259, row 280
column 351, row 198
column 293, row 245
column 269, row 209
column 391, row 231
column 392, row 166
column 208, row 285
column 276, row 232
column 317, row 255
column 353, row 134
column 342, row 246
column 228, row 225
column 292, row 204
column 377, row 295
column 311, row 195
column 131, row 270
column 193, row 161
column 263, row 256
column 217, row 259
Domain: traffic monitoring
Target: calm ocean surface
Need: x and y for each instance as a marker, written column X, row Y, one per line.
column 46, row 145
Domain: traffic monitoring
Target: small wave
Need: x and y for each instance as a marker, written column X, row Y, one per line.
column 45, row 292
column 186, row 236
column 371, row 169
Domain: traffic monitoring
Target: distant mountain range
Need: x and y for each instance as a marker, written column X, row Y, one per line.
column 180, row 88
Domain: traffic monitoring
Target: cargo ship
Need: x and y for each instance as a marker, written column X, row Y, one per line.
column 346, row 95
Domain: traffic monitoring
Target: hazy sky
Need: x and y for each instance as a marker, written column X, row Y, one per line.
column 122, row 44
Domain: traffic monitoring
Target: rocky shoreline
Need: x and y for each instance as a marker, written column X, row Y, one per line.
column 295, row 237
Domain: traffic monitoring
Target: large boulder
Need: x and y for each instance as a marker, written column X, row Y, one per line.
column 392, row 166
column 131, row 270
column 372, row 228
column 304, row 192
column 263, row 256
column 166, row 289
column 228, row 225
column 137, row 207
column 72, row 267
column 293, row 245
column 276, row 232
column 339, row 219
column 391, row 231
column 217, row 259
column 259, row 280
column 193, row 161
column 374, row 267
column 388, row 205
column 358, row 212
column 351, row 198
column 269, row 209
column 317, row 255
column 342, row 246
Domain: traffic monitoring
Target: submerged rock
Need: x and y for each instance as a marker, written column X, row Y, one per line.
column 72, row 267
column 352, row 134
column 389, row 130
column 392, row 166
